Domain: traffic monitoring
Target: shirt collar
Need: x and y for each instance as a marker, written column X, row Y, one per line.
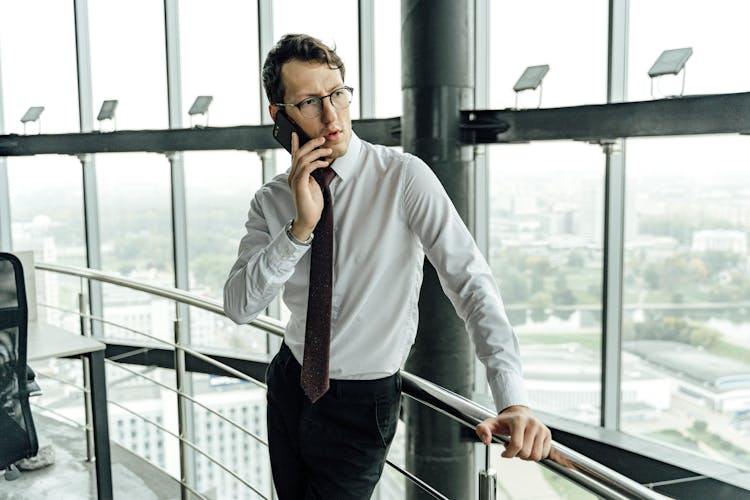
column 345, row 166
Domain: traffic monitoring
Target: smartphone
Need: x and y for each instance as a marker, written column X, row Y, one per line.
column 283, row 128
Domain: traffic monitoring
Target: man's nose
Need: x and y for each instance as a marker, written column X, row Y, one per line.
column 328, row 113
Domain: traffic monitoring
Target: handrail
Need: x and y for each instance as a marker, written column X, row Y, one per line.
column 580, row 469
column 566, row 462
column 193, row 400
column 270, row 325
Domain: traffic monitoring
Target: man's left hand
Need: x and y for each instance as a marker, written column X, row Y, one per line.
column 530, row 439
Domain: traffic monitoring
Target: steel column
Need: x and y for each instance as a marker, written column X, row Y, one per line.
column 6, row 240
column 265, row 42
column 366, row 58
column 437, row 81
column 179, row 234
column 6, row 237
column 614, row 223
column 88, row 165
column 481, row 229
column 101, row 425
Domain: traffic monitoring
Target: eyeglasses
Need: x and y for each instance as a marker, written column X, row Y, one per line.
column 312, row 107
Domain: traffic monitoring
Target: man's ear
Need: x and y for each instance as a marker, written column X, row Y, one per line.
column 272, row 110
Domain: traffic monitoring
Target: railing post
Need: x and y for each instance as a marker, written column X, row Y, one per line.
column 487, row 479
column 86, row 332
column 179, row 368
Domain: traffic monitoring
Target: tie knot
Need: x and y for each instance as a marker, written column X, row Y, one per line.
column 324, row 176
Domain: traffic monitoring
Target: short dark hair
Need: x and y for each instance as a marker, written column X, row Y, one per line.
column 290, row 47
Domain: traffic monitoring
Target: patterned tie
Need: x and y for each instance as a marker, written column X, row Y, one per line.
column 314, row 378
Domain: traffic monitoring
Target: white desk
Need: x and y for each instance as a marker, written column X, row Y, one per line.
column 48, row 341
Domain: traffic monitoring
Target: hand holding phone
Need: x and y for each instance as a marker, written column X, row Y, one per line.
column 283, row 128
column 306, row 192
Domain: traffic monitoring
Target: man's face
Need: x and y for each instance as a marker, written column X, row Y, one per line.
column 310, row 79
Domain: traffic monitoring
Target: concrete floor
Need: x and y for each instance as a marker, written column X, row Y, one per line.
column 71, row 477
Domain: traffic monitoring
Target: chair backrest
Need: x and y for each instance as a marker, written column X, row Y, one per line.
column 17, row 433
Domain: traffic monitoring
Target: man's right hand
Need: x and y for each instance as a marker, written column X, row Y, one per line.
column 306, row 193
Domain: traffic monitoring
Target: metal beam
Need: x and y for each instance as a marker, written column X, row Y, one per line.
column 252, row 365
column 385, row 131
column 690, row 115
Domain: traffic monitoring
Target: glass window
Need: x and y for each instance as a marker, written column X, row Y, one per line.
column 37, row 52
column 571, row 40
column 387, row 45
column 686, row 317
column 546, row 219
column 136, row 239
column 222, row 394
column 140, row 403
column 516, row 476
column 46, row 198
column 717, row 33
column 219, row 57
column 219, row 187
column 128, row 61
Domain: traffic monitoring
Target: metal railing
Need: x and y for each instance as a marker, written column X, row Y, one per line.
column 583, row 471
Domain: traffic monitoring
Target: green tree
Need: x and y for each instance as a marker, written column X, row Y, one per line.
column 576, row 259
column 514, row 287
column 675, row 329
column 564, row 296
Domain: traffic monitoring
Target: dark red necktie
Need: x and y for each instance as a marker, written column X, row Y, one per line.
column 314, row 377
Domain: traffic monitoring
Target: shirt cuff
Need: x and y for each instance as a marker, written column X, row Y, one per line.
column 283, row 254
column 508, row 390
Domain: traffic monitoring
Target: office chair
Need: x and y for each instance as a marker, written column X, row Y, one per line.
column 18, row 438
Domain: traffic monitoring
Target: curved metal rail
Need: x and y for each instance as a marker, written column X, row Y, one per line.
column 578, row 468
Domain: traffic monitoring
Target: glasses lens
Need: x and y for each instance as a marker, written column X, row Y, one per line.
column 341, row 98
column 311, row 107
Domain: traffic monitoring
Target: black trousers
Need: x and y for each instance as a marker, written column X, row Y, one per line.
column 336, row 447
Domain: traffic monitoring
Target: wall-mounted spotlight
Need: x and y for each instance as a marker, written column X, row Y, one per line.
column 200, row 107
column 107, row 113
column 33, row 114
column 670, row 62
column 531, row 79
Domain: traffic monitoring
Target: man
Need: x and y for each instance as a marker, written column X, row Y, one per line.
column 389, row 211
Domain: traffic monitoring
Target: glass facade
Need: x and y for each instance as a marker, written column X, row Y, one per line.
column 131, row 69
column 39, row 70
column 219, row 58
column 686, row 315
column 546, row 237
column 570, row 38
column 685, row 353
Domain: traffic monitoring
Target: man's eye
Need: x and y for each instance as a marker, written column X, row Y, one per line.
column 311, row 101
column 339, row 93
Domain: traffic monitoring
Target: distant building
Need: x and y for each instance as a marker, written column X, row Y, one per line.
column 720, row 240
column 708, row 379
column 565, row 379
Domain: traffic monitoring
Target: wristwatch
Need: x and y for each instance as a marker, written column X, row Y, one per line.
column 293, row 239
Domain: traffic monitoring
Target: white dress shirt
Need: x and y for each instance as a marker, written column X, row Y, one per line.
column 389, row 211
